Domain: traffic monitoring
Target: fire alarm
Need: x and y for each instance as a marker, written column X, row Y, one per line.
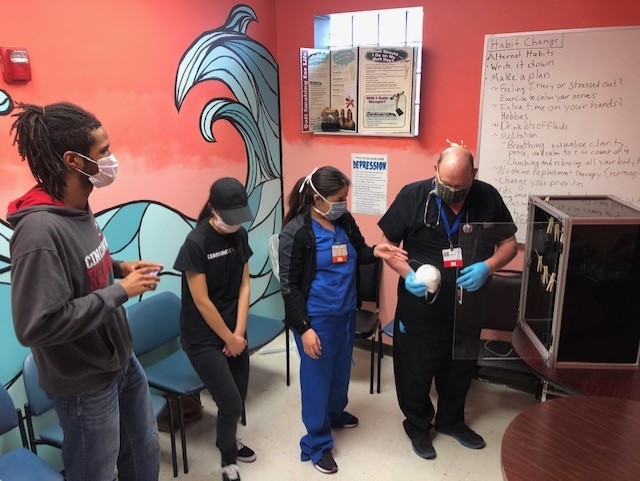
column 15, row 64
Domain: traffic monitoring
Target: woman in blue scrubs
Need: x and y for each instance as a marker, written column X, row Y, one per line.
column 319, row 251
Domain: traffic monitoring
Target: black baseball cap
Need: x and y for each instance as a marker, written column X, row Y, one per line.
column 229, row 199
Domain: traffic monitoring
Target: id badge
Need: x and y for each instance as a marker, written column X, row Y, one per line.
column 339, row 253
column 452, row 257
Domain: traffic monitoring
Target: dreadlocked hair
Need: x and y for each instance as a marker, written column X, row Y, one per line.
column 44, row 134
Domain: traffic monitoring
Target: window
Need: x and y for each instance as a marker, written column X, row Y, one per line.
column 385, row 28
column 392, row 27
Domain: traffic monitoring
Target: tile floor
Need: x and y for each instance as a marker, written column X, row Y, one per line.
column 376, row 450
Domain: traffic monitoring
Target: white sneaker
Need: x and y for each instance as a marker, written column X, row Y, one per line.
column 230, row 472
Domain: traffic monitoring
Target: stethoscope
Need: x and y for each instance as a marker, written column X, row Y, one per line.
column 466, row 227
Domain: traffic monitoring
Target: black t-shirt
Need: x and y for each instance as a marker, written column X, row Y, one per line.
column 217, row 256
column 405, row 222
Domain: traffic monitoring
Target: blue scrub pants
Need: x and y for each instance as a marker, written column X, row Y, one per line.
column 324, row 382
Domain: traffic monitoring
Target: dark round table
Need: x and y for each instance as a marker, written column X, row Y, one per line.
column 587, row 438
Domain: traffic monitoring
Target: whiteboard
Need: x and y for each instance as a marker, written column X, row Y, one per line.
column 560, row 115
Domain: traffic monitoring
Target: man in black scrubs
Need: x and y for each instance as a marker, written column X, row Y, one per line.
column 426, row 218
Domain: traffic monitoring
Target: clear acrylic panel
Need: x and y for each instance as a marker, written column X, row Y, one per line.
column 485, row 319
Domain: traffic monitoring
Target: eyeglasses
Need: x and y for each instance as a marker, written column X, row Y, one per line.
column 454, row 188
column 426, row 210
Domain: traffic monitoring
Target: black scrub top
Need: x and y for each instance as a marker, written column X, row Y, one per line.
column 405, row 222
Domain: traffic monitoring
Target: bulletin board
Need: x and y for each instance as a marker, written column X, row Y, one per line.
column 560, row 115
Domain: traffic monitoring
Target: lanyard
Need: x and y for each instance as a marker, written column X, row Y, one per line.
column 447, row 227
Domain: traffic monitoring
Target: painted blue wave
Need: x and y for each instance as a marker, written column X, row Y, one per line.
column 226, row 54
column 6, row 103
column 151, row 230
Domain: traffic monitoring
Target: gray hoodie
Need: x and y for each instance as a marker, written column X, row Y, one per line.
column 64, row 302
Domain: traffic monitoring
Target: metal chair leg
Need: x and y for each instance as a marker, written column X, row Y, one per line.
column 286, row 330
column 373, row 366
column 183, row 437
column 172, row 432
column 379, row 355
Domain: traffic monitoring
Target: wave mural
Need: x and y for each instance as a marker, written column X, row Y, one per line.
column 6, row 103
column 151, row 230
column 226, row 54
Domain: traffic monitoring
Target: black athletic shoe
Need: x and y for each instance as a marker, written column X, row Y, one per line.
column 327, row 464
column 351, row 421
column 347, row 420
column 422, row 447
column 245, row 453
column 465, row 436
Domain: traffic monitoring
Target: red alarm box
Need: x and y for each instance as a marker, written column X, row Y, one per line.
column 15, row 64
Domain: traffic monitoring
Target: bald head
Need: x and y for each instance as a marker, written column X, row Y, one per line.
column 454, row 175
column 455, row 167
column 456, row 154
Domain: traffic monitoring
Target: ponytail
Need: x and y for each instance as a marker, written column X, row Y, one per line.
column 299, row 202
column 205, row 213
column 326, row 180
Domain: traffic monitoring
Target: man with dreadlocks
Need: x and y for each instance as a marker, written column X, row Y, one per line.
column 66, row 306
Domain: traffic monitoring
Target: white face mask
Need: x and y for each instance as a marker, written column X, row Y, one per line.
column 107, row 170
column 223, row 226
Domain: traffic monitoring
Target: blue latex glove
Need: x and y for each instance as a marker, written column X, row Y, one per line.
column 474, row 276
column 414, row 286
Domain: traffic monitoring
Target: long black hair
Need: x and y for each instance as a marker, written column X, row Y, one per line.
column 327, row 181
column 44, row 134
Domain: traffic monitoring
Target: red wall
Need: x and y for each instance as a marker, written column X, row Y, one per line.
column 118, row 59
column 453, row 39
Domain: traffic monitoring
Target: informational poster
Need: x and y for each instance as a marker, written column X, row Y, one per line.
column 344, row 86
column 315, row 86
column 358, row 90
column 385, row 89
column 369, row 180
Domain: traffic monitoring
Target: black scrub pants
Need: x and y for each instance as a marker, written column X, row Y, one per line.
column 422, row 353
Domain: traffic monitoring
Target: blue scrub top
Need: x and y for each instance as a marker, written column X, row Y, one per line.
column 333, row 287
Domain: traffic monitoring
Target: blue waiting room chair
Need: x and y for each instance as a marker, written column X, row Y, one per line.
column 20, row 464
column 38, row 404
column 155, row 323
column 260, row 332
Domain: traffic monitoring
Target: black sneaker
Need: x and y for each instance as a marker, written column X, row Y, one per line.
column 465, row 436
column 347, row 420
column 422, row 447
column 245, row 453
column 327, row 464
column 351, row 421
column 230, row 472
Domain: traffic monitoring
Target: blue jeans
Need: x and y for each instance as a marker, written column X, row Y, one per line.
column 324, row 382
column 114, row 426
